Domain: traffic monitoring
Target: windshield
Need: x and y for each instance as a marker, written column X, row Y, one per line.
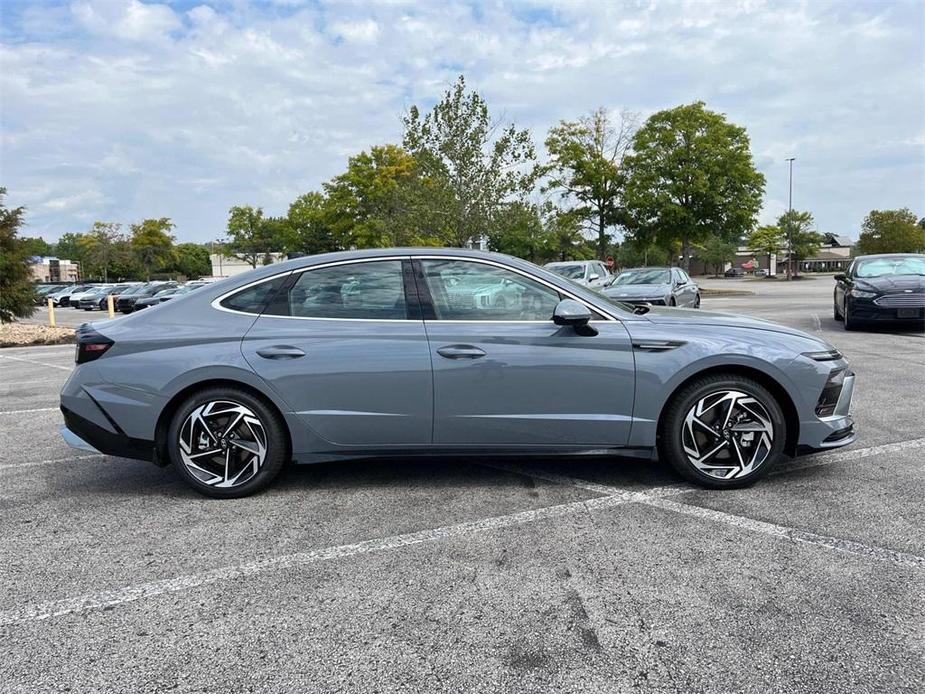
column 901, row 265
column 572, row 272
column 644, row 276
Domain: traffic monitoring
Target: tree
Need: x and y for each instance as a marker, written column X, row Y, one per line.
column 797, row 228
column 716, row 252
column 67, row 247
column 891, row 231
column 587, row 166
column 474, row 164
column 379, row 201
column 565, row 238
column 518, row 231
column 17, row 290
column 249, row 236
column 691, row 176
column 98, row 247
column 309, row 227
column 766, row 240
column 634, row 252
column 36, row 246
column 192, row 260
column 152, row 244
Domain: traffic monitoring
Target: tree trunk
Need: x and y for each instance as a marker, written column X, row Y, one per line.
column 686, row 251
column 601, row 237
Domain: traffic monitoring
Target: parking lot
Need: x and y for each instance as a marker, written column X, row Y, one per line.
column 584, row 574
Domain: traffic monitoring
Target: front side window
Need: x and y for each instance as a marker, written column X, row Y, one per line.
column 464, row 290
column 368, row 291
column 571, row 272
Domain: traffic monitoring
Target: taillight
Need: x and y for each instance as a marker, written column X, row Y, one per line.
column 828, row 399
column 90, row 344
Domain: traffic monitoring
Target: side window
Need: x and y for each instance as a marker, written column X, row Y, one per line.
column 463, row 290
column 683, row 276
column 255, row 299
column 370, row 291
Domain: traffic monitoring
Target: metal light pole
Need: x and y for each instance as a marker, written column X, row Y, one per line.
column 790, row 224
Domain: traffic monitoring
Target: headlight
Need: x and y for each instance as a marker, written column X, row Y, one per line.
column 861, row 294
column 828, row 355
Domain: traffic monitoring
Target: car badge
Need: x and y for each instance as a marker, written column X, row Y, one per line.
column 907, row 291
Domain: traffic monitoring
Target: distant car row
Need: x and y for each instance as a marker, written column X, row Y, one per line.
column 127, row 296
column 656, row 286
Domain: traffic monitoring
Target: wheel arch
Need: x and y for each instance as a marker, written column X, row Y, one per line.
column 791, row 417
column 163, row 421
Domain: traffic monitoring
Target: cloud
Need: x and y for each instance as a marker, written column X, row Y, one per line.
column 120, row 110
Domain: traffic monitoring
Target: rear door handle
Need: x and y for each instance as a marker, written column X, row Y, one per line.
column 280, row 352
column 461, row 352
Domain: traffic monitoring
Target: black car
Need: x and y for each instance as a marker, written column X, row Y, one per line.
column 882, row 288
column 126, row 301
column 98, row 300
column 734, row 272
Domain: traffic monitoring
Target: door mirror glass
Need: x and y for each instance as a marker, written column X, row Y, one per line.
column 840, row 276
column 593, row 277
column 571, row 312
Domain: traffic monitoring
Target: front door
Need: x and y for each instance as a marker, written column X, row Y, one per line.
column 505, row 374
column 347, row 352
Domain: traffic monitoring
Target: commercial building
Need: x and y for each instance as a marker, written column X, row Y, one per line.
column 50, row 269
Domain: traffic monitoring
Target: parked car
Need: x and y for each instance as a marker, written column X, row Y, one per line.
column 659, row 286
column 75, row 297
column 43, row 291
column 63, row 298
column 127, row 299
column 233, row 380
column 881, row 288
column 761, row 272
column 734, row 272
column 98, row 299
column 588, row 273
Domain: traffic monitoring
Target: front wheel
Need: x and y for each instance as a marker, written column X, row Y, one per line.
column 227, row 443
column 697, row 301
column 722, row 431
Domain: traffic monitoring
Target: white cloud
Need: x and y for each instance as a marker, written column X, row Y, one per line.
column 126, row 19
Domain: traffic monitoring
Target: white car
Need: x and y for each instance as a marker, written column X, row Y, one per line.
column 588, row 273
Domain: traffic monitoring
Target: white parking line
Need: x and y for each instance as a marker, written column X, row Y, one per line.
column 58, row 608
column 39, row 409
column 11, row 466
column 850, row 454
column 31, row 382
column 38, row 363
column 789, row 533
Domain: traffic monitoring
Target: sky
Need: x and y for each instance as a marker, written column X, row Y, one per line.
column 119, row 110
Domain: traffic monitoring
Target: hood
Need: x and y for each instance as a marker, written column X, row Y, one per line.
column 631, row 291
column 696, row 316
column 891, row 283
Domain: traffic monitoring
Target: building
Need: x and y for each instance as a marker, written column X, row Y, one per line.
column 225, row 266
column 50, row 269
column 834, row 255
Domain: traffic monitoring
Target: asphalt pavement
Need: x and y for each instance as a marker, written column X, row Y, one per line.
column 460, row 575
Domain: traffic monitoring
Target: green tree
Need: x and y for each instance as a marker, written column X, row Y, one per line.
column 309, row 226
column 67, row 247
column 798, row 230
column 518, row 231
column 192, row 260
column 691, row 176
column 565, row 238
column 17, row 290
column 766, row 240
column 249, row 236
column 37, row 246
column 716, row 252
column 474, row 165
column 586, row 165
column 98, row 247
column 891, row 231
column 152, row 244
column 636, row 252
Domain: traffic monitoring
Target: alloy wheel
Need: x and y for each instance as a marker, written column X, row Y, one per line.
column 727, row 434
column 222, row 444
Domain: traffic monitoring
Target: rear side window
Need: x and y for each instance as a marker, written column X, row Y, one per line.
column 358, row 291
column 255, row 298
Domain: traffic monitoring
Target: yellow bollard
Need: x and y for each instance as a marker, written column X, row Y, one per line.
column 112, row 308
column 51, row 313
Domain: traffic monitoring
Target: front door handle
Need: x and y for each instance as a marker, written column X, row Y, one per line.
column 461, row 352
column 280, row 352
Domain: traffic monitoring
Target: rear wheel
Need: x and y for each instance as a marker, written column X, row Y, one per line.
column 227, row 443
column 722, row 431
column 672, row 302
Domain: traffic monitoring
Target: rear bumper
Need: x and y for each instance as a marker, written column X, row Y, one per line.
column 79, row 432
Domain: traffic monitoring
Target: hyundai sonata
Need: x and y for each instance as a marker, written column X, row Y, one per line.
column 398, row 352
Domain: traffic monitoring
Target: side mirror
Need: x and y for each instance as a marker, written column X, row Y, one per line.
column 593, row 278
column 840, row 277
column 571, row 312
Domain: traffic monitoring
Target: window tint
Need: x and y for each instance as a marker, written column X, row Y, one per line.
column 463, row 290
column 255, row 298
column 372, row 290
column 684, row 276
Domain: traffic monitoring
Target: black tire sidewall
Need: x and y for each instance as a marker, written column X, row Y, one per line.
column 671, row 450
column 277, row 452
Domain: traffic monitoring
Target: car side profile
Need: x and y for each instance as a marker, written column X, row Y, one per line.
column 588, row 273
column 887, row 288
column 658, row 286
column 388, row 352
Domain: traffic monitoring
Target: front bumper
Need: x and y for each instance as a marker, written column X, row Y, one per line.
column 835, row 430
column 912, row 310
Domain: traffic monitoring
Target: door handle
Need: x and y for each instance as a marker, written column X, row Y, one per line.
column 461, row 352
column 280, row 352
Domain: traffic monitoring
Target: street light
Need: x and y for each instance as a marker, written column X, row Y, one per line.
column 790, row 223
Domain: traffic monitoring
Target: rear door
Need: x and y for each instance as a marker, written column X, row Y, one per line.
column 505, row 374
column 346, row 349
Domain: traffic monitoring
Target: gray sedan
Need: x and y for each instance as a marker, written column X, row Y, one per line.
column 382, row 353
column 659, row 286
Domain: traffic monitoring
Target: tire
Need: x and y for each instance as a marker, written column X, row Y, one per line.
column 697, row 301
column 240, row 428
column 672, row 302
column 835, row 314
column 762, row 431
column 849, row 322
